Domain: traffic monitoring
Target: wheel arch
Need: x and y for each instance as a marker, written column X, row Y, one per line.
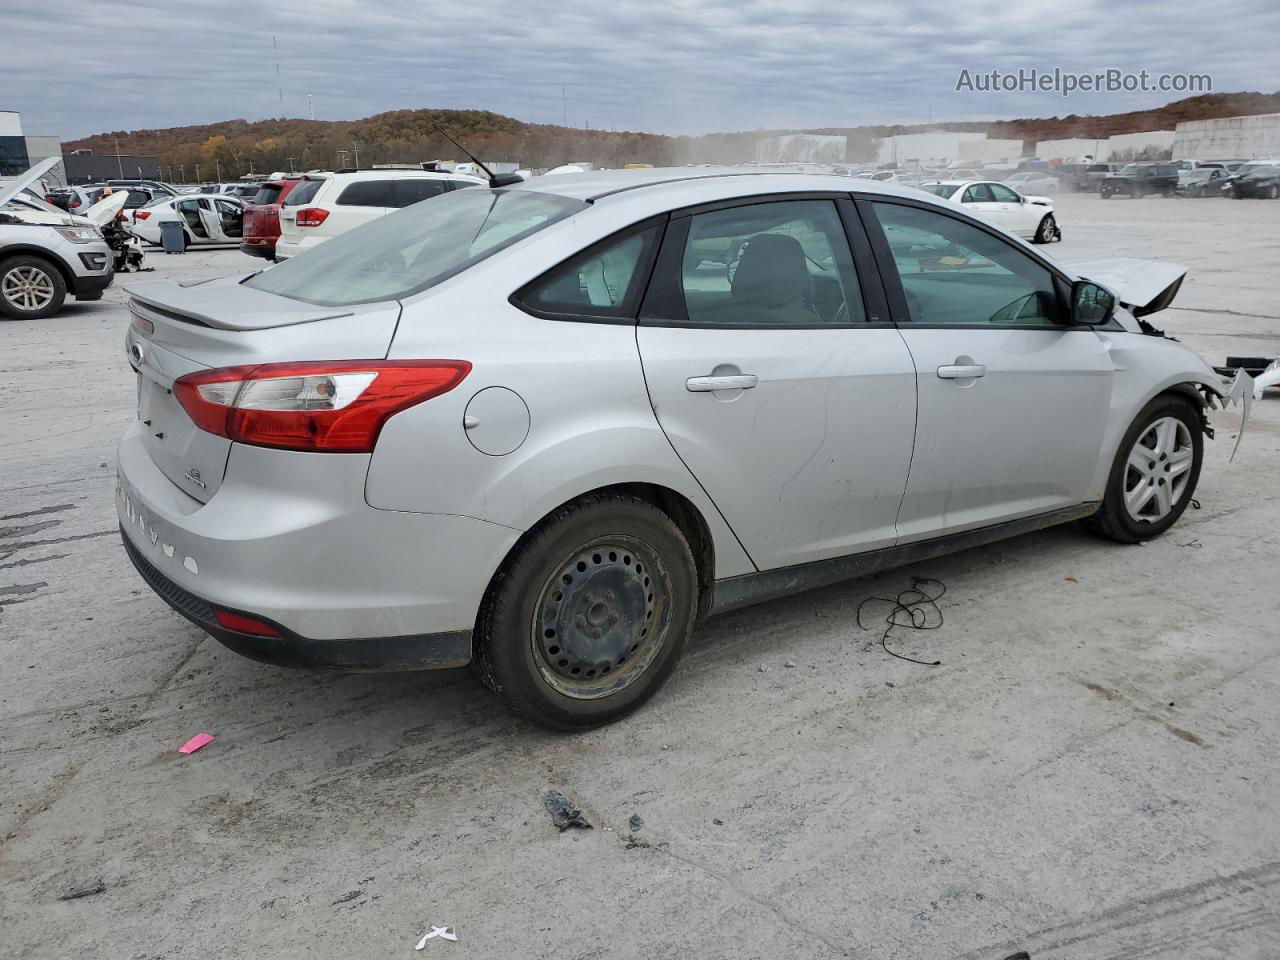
column 65, row 271
column 683, row 512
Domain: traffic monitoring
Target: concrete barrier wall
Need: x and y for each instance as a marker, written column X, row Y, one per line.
column 1243, row 138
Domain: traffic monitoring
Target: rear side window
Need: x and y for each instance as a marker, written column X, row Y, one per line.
column 603, row 281
column 268, row 193
column 368, row 193
column 409, row 191
column 304, row 192
column 774, row 264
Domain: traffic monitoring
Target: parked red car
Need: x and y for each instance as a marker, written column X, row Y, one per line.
column 262, row 218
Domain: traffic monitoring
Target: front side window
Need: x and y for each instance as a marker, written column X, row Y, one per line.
column 414, row 248
column 604, row 281
column 978, row 193
column 770, row 264
column 956, row 274
column 1003, row 194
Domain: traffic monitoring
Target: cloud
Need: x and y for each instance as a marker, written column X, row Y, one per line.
column 674, row 66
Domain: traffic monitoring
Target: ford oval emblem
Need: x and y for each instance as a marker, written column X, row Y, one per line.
column 136, row 351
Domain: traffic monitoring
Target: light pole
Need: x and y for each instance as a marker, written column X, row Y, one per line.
column 217, row 167
column 291, row 164
column 197, row 173
column 182, row 172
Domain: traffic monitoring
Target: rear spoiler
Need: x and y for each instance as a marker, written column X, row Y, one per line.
column 1142, row 286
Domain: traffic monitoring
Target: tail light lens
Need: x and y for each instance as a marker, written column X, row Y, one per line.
column 141, row 214
column 241, row 623
column 333, row 407
column 312, row 216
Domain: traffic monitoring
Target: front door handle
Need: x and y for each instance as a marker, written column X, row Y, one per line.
column 741, row 381
column 962, row 371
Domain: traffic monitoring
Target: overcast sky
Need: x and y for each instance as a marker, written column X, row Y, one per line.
column 688, row 66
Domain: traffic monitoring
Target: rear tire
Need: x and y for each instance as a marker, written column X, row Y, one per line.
column 589, row 616
column 31, row 288
column 1155, row 472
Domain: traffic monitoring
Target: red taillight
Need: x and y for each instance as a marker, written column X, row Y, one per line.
column 322, row 406
column 312, row 216
column 142, row 325
column 75, row 202
column 242, row 624
column 141, row 214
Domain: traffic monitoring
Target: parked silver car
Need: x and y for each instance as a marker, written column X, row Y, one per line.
column 546, row 428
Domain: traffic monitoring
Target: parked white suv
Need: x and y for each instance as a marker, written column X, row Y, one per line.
column 327, row 204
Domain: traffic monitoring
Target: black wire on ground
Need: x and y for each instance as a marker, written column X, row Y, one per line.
column 914, row 604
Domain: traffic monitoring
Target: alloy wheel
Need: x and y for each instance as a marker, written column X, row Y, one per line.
column 27, row 288
column 1157, row 470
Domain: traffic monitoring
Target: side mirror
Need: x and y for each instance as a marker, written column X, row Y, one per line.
column 1090, row 304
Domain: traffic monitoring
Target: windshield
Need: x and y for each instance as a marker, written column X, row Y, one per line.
column 415, row 247
column 28, row 199
column 1259, row 172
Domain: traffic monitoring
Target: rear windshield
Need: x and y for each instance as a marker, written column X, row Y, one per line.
column 413, row 248
column 940, row 189
column 303, row 192
column 267, row 193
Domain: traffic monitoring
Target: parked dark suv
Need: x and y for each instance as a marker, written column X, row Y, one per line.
column 1140, row 179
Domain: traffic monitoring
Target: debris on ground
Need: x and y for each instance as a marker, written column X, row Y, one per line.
column 347, row 897
column 444, row 933
column 196, row 742
column 911, row 608
column 564, row 814
column 1071, row 579
column 635, row 822
column 790, row 664
column 90, row 890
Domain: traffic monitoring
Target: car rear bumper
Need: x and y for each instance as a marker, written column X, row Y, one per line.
column 259, row 248
column 289, row 539
column 416, row 652
column 291, row 248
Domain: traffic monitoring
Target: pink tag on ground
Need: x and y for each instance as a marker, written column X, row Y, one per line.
column 196, row 742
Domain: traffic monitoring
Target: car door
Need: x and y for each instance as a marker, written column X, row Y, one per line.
column 778, row 380
column 1017, row 216
column 193, row 213
column 221, row 219
column 978, row 198
column 1013, row 400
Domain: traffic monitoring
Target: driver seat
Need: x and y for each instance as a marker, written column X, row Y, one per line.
column 772, row 282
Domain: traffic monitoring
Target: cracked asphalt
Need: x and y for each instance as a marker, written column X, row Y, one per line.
column 1090, row 773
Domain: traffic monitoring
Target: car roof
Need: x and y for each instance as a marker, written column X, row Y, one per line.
column 672, row 182
column 395, row 174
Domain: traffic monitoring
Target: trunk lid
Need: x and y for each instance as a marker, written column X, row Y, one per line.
column 262, row 222
column 177, row 329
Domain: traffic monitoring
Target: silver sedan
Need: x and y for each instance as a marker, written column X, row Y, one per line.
column 546, row 427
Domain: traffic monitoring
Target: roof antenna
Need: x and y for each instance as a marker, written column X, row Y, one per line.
column 495, row 180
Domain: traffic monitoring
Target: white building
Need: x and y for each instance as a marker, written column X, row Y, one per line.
column 978, row 152
column 1230, row 138
column 934, row 149
column 1072, row 149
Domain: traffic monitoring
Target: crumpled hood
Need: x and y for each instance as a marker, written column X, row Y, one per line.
column 1038, row 201
column 228, row 304
column 1142, row 286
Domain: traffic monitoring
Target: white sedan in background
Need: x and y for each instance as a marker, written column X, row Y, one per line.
column 206, row 218
column 1033, row 181
column 1029, row 217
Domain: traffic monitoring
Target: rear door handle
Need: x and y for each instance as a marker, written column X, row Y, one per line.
column 961, row 371
column 741, row 381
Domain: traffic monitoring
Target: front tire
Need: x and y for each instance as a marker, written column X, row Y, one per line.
column 1048, row 230
column 31, row 288
column 1155, row 472
column 589, row 616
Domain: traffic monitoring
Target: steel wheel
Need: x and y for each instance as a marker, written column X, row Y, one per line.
column 599, row 619
column 1157, row 470
column 27, row 288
